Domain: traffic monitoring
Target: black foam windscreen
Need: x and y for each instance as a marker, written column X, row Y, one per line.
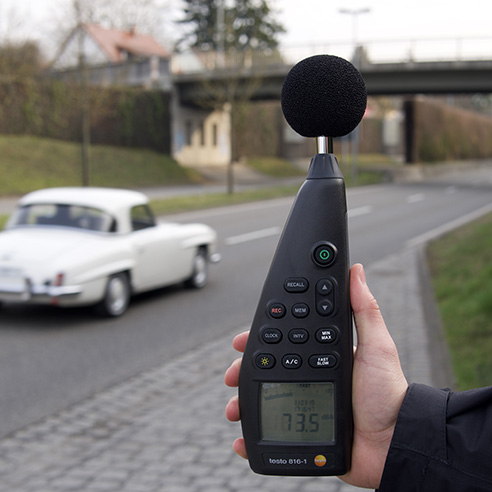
column 324, row 95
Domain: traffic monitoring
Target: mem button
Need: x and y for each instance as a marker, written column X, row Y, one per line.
column 300, row 310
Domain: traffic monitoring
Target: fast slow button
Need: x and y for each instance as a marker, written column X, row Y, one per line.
column 325, row 361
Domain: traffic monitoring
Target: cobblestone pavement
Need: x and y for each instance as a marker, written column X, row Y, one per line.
column 165, row 430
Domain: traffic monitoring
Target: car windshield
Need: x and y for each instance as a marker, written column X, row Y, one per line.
column 63, row 215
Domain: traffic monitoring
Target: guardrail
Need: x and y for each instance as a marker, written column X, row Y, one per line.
column 374, row 51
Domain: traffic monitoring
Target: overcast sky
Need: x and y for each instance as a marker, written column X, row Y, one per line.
column 311, row 22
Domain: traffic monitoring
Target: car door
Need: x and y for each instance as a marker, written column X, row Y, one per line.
column 153, row 250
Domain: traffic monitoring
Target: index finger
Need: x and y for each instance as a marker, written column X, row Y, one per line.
column 239, row 342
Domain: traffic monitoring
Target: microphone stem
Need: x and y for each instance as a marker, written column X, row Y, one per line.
column 324, row 145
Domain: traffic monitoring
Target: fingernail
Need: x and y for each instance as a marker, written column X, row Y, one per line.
column 362, row 275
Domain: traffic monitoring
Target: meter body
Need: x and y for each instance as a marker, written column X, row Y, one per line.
column 296, row 376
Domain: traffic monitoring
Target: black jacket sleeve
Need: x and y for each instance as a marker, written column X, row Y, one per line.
column 442, row 442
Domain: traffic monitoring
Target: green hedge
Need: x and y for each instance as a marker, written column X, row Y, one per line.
column 120, row 117
column 447, row 133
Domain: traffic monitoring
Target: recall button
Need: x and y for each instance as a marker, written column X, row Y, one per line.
column 296, row 284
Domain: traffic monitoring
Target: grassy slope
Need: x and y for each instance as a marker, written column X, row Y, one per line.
column 29, row 163
column 461, row 266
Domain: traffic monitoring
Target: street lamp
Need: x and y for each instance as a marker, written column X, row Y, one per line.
column 355, row 15
column 356, row 62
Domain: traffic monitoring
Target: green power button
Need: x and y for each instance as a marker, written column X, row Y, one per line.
column 324, row 254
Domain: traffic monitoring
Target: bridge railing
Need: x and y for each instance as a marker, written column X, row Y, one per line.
column 376, row 51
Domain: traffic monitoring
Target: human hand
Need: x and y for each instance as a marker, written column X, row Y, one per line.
column 378, row 387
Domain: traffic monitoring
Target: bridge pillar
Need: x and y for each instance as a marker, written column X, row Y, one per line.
column 409, row 115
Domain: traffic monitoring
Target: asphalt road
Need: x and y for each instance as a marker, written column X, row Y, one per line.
column 50, row 358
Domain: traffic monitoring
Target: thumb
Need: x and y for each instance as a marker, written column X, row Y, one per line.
column 368, row 319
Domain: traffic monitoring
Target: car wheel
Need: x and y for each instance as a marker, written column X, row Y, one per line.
column 199, row 277
column 116, row 297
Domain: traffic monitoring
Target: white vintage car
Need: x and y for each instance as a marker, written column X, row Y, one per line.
column 97, row 246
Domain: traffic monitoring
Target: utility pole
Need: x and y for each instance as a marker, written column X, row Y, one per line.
column 85, row 104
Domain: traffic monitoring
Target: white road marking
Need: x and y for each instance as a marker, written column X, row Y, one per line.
column 273, row 231
column 417, row 197
column 355, row 212
column 454, row 224
column 252, row 236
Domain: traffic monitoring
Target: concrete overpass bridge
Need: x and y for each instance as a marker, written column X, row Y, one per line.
column 439, row 77
column 459, row 70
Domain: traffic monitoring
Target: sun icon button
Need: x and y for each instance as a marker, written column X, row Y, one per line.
column 265, row 361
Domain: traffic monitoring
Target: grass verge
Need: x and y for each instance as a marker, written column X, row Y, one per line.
column 197, row 202
column 29, row 163
column 461, row 268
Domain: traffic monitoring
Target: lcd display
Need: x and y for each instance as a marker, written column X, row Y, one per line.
column 297, row 412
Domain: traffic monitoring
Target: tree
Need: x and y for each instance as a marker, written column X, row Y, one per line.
column 119, row 14
column 20, row 60
column 216, row 25
column 144, row 15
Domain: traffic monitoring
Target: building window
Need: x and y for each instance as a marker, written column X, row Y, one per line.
column 215, row 136
column 202, row 133
column 188, row 132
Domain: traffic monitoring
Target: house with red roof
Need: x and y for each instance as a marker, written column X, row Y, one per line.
column 113, row 57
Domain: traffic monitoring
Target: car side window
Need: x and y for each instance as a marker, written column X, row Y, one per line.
column 141, row 217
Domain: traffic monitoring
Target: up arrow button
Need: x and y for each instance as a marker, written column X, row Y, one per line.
column 324, row 287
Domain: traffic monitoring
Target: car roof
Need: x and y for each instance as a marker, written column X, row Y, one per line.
column 109, row 199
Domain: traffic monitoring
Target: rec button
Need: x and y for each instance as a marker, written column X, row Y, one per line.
column 324, row 254
column 276, row 310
